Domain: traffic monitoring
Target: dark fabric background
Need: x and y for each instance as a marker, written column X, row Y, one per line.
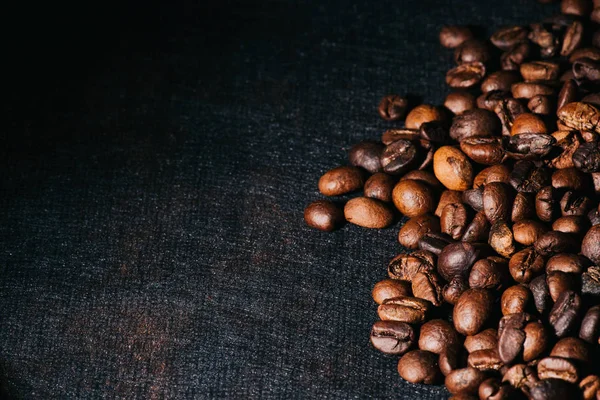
column 156, row 164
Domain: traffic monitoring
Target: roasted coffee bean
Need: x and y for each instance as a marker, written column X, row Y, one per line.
column 572, row 39
column 454, row 220
column 424, row 176
column 483, row 150
column 575, row 7
column 553, row 242
column 536, row 341
column 453, row 168
column 515, row 299
column 453, row 36
column 437, row 336
column 379, row 186
column 487, row 339
column 592, row 98
column 392, row 337
column 465, row 75
column 472, row 50
column 392, row 135
column 523, row 207
column 590, row 385
column 478, row 230
column 557, row 368
column 525, row 265
column 447, row 197
column 507, row 37
column 586, row 69
column 427, row 285
column 497, row 201
column 474, row 198
column 465, row 380
column 451, row 359
column 551, row 389
column 341, row 180
column 573, row 224
column 473, row 123
column 511, row 336
column 521, row 376
column 415, row 228
column 507, row 111
column 527, row 90
column 392, row 107
column 527, row 177
column 459, row 102
column 546, row 204
column 528, row 123
column 580, row 116
column 489, row 101
column 398, row 156
column 541, row 294
column 419, row 366
column 421, row 114
column 366, row 155
column 527, row 231
column 500, row 80
column 488, row 273
column 389, row 288
column 495, row 173
column 575, row 204
column 567, row 263
column 594, row 217
column 493, row 389
column 568, row 93
column 572, row 348
column 565, row 313
column 529, row 146
column 568, row 178
column 456, row 259
column 513, row 58
column 454, row 289
column 411, row 310
column 590, row 282
column 435, row 242
column 405, row 266
column 558, row 283
column 590, row 325
column 590, row 247
column 587, row 157
column 435, row 132
column 413, row 198
column 541, row 105
column 592, row 53
column 501, row 239
column 485, row 360
column 323, row 215
column 368, row 213
column 472, row 310
column 569, row 142
column 540, row 71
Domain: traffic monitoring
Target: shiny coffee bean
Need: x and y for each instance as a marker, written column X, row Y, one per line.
column 418, row 366
column 507, row 37
column 553, row 242
column 493, row 389
column 379, row 186
column 567, row 263
column 528, row 178
column 488, row 273
column 454, row 289
column 392, row 107
column 565, row 313
column 495, row 173
column 405, row 266
column 485, row 360
column 486, row 339
column 527, row 231
column 580, row 116
column 392, row 135
column 525, row 265
column 546, row 204
column 453, row 168
column 323, row 215
column 541, row 105
column 398, row 156
column 527, row 90
column 465, row 380
column 459, row 102
column 501, row 239
column 575, row 204
column 483, row 150
column 472, row 50
column 541, row 294
column 421, row 114
column 558, row 283
column 456, row 259
column 511, row 336
column 587, row 157
column 568, row 178
column 490, row 100
column 523, row 207
column 453, row 36
column 590, row 247
column 497, row 201
column 536, row 342
column 572, row 224
column 435, row 132
column 473, row 123
column 341, row 180
column 529, row 146
column 447, row 197
column 557, row 368
column 515, row 300
column 507, row 111
column 392, row 337
column 424, row 176
column 573, row 38
column 586, row 69
column 437, row 336
column 513, row 58
column 435, row 242
column 413, row 198
column 528, row 123
column 415, row 228
column 465, row 75
column 568, row 142
column 551, row 389
column 474, row 198
column 454, row 220
column 411, row 310
column 573, row 349
column 540, row 71
column 427, row 285
column 366, row 155
column 567, row 94
column 389, row 288
column 590, row 325
column 521, row 376
column 368, row 213
column 451, row 359
column 472, row 310
column 478, row 230
column 500, row 80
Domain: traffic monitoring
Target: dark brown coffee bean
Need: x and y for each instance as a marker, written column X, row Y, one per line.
column 586, row 69
column 513, row 58
column 465, row 75
column 568, row 178
column 590, row 247
column 590, row 385
column 392, row 107
column 456, row 259
column 323, row 215
column 548, row 42
column 506, row 38
column 453, row 36
column 527, row 90
column 454, row 289
column 528, row 123
column 413, row 198
column 459, row 102
column 575, row 204
column 565, row 313
column 411, row 310
column 558, row 283
column 546, row 204
column 493, row 389
column 392, row 135
column 478, row 230
column 557, row 368
column 580, row 116
column 523, row 207
column 398, row 156
column 536, row 341
column 485, row 360
column 573, row 349
column 568, row 93
column 572, row 224
column 525, row 265
column 569, row 142
column 379, row 186
column 465, row 380
column 541, row 105
column 567, row 263
column 521, row 376
column 472, row 50
column 454, row 220
column 435, row 242
column 366, row 155
column 483, row 150
column 515, row 299
column 540, row 71
column 421, row 114
column 427, row 285
column 418, row 366
column 586, row 52
column 592, row 98
column 423, row 176
column 489, row 101
column 415, row 228
column 451, row 359
column 551, row 389
column 573, row 38
column 437, row 336
column 497, row 201
column 587, row 157
column 434, row 132
column 488, row 273
column 341, row 180
column 405, row 266
column 511, row 336
column 590, row 325
column 472, row 310
column 594, row 217
column 473, row 123
column 389, row 288
column 527, row 177
column 495, row 173
column 500, row 80
column 527, row 231
column 474, row 198
column 368, row 213
column 486, row 339
column 529, row 146
column 590, row 282
column 501, row 239
column 541, row 294
column 575, row 7
column 392, row 337
column 507, row 111
column 453, row 168
column 553, row 242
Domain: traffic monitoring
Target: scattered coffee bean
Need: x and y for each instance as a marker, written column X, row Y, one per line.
column 341, row 180
column 453, row 36
column 413, row 198
column 419, row 366
column 392, row 107
column 368, row 213
column 389, row 288
column 404, row 309
column 323, row 215
column 379, row 186
column 392, row 337
column 453, row 168
column 459, row 102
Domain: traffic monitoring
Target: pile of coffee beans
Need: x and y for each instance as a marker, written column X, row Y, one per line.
column 498, row 293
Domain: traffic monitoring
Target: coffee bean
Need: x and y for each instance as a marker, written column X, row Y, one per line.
column 415, row 228
column 465, row 75
column 540, row 71
column 553, row 242
column 472, row 310
column 572, row 224
column 594, row 217
column 536, row 341
column 413, row 198
column 427, row 285
column 454, row 220
column 525, row 265
column 497, row 201
column 521, row 376
column 557, row 368
column 501, row 239
column 495, row 173
column 484, row 340
column 527, row 90
column 527, row 231
column 551, row 389
column 580, row 116
column 490, row 100
column 513, row 58
column 567, row 263
column 437, row 336
column 592, row 53
column 528, row 123
column 523, row 207
column 450, row 359
column 548, row 42
column 435, row 132
column 419, row 366
column 590, row 385
column 474, row 123
column 435, row 242
column 586, row 69
column 421, row 114
column 575, row 7
column 465, row 380
column 341, row 180
column 499, row 80
column 575, row 204
column 590, row 325
column 546, row 204
column 411, row 310
column 569, row 142
column 366, row 155
column 452, row 168
column 558, row 283
column 507, row 37
column 563, row 316
column 541, row 294
column 453, row 36
column 488, row 273
column 507, row 111
column 478, row 230
column 568, row 178
column 392, row 107
column 456, row 259
column 392, row 135
column 398, row 156
column 392, row 337
column 573, row 38
column 447, row 197
column 454, row 289
column 389, row 288
column 405, row 266
column 483, row 150
column 323, row 215
column 573, row 349
column 590, row 247
column 368, row 213
column 587, row 157
column 493, row 389
column 485, row 360
column 529, row 178
column 515, row 300
column 529, row 146
column 459, row 102
column 424, row 176
column 474, row 198
column 592, row 98
column 472, row 50
column 379, row 186
column 590, row 282
column 541, row 105
column 568, row 93
column 511, row 336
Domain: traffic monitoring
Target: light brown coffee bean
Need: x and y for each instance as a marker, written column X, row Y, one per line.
column 323, row 215
column 453, row 168
column 368, row 213
column 341, row 180
column 390, row 288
